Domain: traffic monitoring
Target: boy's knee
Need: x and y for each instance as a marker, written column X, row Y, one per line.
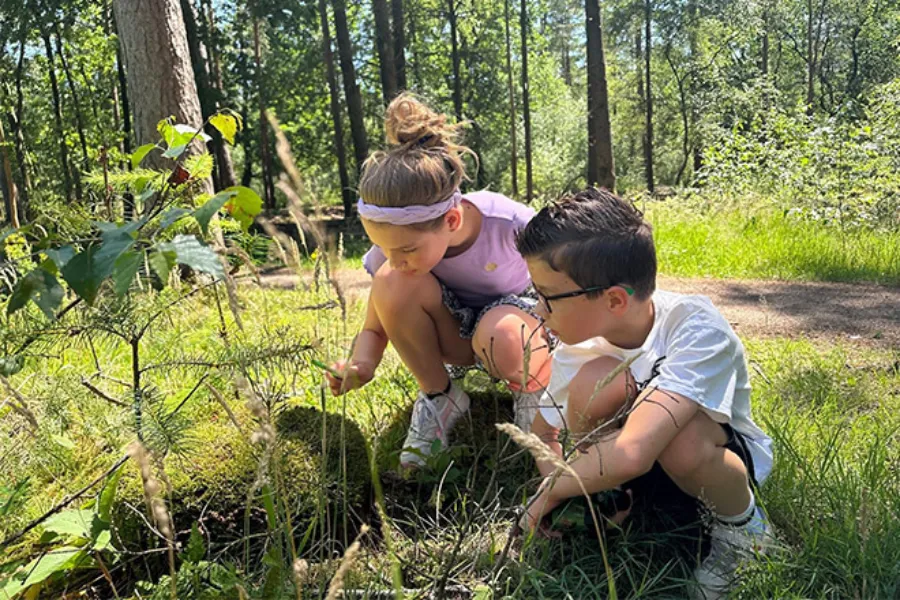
column 583, row 387
column 693, row 447
column 394, row 292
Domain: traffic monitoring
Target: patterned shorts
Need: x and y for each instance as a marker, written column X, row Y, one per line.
column 469, row 318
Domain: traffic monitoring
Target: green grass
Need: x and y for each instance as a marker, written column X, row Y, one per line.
column 750, row 243
column 834, row 495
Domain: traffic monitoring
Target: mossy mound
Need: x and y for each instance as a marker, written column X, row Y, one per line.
column 210, row 484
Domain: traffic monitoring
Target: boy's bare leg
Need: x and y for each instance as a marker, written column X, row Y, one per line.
column 699, row 464
column 550, row 436
column 589, row 405
column 421, row 328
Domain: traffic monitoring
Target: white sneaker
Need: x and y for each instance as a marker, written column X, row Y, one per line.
column 730, row 546
column 432, row 419
column 525, row 405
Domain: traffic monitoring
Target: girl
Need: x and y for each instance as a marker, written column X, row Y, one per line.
column 449, row 287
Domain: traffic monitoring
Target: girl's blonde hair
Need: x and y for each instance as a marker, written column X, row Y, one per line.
column 423, row 163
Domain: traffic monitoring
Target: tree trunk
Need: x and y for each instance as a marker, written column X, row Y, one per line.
column 158, row 68
column 331, row 77
column 416, row 73
column 810, row 59
column 223, row 169
column 600, row 165
column 264, row 150
column 58, row 120
column 764, row 51
column 351, row 88
column 513, row 118
column 385, row 48
column 454, row 54
column 15, row 121
column 7, row 184
column 123, row 98
column 526, row 103
column 76, row 106
column 648, row 128
column 397, row 17
column 566, row 61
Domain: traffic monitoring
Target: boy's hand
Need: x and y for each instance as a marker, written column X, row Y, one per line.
column 356, row 375
column 542, row 503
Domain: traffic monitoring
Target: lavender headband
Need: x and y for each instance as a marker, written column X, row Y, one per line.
column 407, row 215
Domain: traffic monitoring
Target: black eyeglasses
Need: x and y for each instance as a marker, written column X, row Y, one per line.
column 545, row 300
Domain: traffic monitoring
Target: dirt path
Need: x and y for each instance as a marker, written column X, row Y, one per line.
column 859, row 313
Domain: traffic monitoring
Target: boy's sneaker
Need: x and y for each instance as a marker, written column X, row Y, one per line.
column 730, row 546
column 525, row 407
column 432, row 419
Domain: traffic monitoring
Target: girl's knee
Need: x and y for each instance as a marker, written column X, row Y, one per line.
column 500, row 341
column 394, row 292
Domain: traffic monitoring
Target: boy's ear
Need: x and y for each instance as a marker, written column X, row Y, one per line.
column 617, row 300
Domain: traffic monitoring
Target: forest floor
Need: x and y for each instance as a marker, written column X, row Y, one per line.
column 856, row 313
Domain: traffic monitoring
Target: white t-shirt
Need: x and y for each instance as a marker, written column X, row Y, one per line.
column 692, row 351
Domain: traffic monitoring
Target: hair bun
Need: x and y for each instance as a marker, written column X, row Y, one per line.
column 408, row 122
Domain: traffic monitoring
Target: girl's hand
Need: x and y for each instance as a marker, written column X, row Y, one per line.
column 541, row 504
column 356, row 375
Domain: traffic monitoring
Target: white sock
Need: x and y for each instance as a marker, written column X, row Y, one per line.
column 742, row 518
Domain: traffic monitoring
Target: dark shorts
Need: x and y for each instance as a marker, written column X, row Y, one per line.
column 659, row 503
column 470, row 317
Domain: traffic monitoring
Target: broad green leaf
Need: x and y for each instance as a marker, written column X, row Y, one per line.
column 244, row 206
column 55, row 561
column 212, row 206
column 108, row 496
column 175, row 151
column 60, row 256
column 103, row 540
column 172, row 215
column 78, row 522
column 10, row 365
column 196, row 549
column 125, row 269
column 162, row 262
column 189, row 251
column 43, row 287
column 114, row 245
column 140, row 153
column 188, row 132
column 82, row 276
column 226, row 124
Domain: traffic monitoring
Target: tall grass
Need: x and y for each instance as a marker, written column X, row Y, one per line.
column 760, row 243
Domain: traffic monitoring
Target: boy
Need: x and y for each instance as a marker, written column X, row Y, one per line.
column 593, row 263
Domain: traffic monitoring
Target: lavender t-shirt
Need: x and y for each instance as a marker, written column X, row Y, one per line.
column 489, row 268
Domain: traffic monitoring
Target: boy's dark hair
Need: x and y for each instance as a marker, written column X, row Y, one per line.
column 596, row 238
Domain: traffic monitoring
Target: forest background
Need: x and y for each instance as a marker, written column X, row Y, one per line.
column 761, row 138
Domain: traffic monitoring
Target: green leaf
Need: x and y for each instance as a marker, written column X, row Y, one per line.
column 212, row 206
column 10, row 365
column 175, row 151
column 172, row 215
column 200, row 166
column 43, row 287
column 55, row 561
column 64, row 441
column 196, row 548
column 78, row 522
column 227, row 125
column 244, row 206
column 82, row 276
column 108, row 496
column 139, row 154
column 125, row 269
column 60, row 256
column 103, row 541
column 189, row 251
column 162, row 262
